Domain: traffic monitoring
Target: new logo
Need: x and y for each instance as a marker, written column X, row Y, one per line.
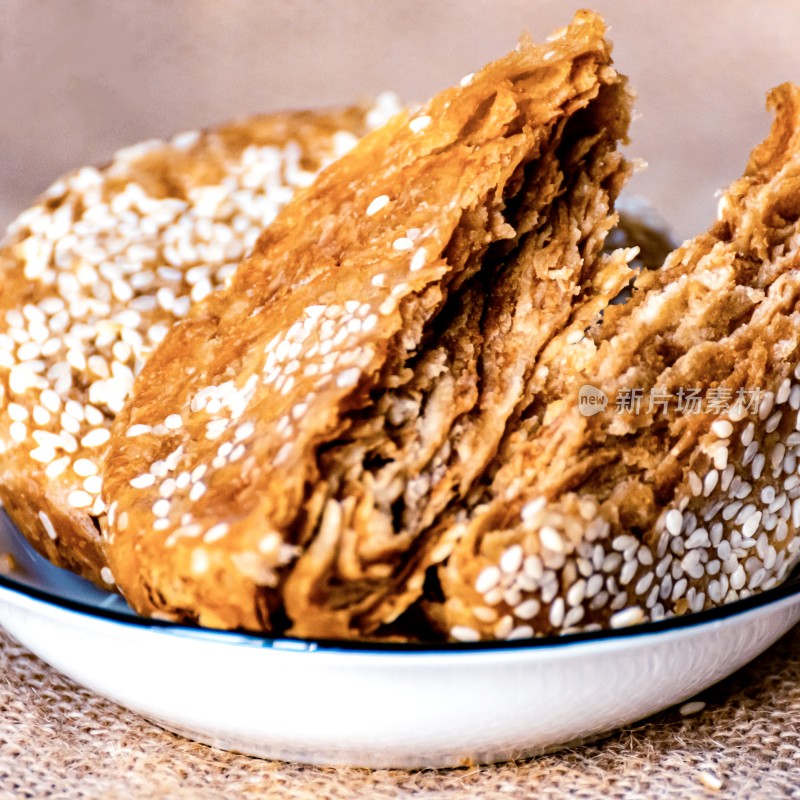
column 591, row 400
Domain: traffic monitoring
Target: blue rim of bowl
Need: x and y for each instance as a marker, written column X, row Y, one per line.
column 789, row 588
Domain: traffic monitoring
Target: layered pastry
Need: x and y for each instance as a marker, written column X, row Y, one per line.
column 409, row 403
column 683, row 491
column 289, row 446
column 93, row 276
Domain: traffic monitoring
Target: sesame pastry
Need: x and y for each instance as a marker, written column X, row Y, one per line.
column 654, row 509
column 358, row 373
column 93, row 276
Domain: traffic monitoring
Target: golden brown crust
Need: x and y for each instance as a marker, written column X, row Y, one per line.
column 619, row 517
column 94, row 274
column 349, row 342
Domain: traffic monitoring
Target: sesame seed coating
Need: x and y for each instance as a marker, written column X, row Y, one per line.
column 95, row 274
column 365, row 392
column 709, row 499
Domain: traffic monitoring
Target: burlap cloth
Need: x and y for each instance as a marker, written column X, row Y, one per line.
column 58, row 740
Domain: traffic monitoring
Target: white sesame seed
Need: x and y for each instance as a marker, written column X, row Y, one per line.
column 402, row 243
column 710, row 780
column 50, row 400
column 96, row 437
column 532, row 508
column 485, row 614
column 520, row 632
column 381, row 201
column 534, row 569
column 576, row 593
column 679, row 588
column 557, row 612
column 751, row 524
column 627, row 617
column 41, row 416
column 18, row 431
column 348, row 378
column 747, row 434
column 487, row 579
column 727, row 477
column 695, row 484
column 738, row 578
column 47, row 524
column 674, row 521
column 623, row 542
column 57, row 467
column 44, row 454
column 756, row 579
column 93, row 484
column 198, row 472
column 216, row 532
column 690, row 560
column 765, row 406
column 722, row 428
column 720, row 457
column 418, row 260
column 244, row 431
column 419, row 123
column 749, row 453
column 551, row 539
column 107, row 576
column 511, row 560
column 388, row 306
column 80, row 499
column 743, row 515
column 137, row 430
column 778, row 503
column 527, row 609
column 710, row 482
column 699, row 538
column 173, row 422
column 463, row 633
column 628, row 572
column 644, row 583
column 197, row 491
column 84, row 467
column 143, row 481
column 773, row 422
column 161, row 507
column 17, row 412
column 782, row 394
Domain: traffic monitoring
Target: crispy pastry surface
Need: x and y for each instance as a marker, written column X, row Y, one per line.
column 641, row 513
column 289, row 445
column 92, row 277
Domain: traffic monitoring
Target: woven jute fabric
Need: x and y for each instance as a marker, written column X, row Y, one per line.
column 58, row 740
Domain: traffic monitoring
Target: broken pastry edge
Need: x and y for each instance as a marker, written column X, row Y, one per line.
column 645, row 566
column 209, row 542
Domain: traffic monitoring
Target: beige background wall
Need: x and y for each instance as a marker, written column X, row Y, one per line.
column 79, row 78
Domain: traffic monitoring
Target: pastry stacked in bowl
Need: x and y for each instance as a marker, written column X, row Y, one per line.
column 360, row 374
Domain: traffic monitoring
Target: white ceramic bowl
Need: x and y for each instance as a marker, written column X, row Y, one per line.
column 378, row 706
